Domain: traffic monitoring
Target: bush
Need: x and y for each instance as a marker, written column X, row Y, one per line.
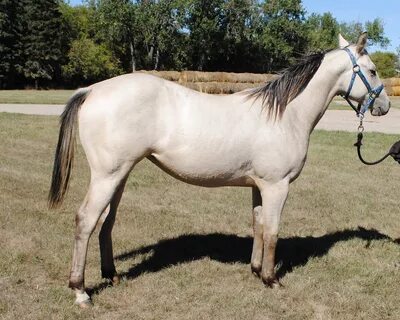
column 385, row 63
column 90, row 62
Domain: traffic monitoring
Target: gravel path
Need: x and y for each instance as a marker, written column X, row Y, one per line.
column 341, row 120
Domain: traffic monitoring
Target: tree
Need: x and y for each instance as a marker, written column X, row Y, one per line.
column 322, row 32
column 385, row 63
column 41, row 40
column 79, row 21
column 160, row 23
column 241, row 25
column 89, row 62
column 10, row 39
column 375, row 30
column 115, row 22
column 284, row 36
column 205, row 35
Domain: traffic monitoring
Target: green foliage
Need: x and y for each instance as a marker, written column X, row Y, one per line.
column 398, row 62
column 37, row 37
column 385, row 62
column 376, row 33
column 284, row 35
column 375, row 30
column 205, row 35
column 114, row 22
column 10, row 40
column 90, row 62
column 323, row 31
column 42, row 46
column 78, row 20
column 241, row 47
column 163, row 41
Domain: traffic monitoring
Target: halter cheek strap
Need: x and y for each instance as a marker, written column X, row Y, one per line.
column 372, row 93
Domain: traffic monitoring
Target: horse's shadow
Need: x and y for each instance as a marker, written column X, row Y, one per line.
column 228, row 248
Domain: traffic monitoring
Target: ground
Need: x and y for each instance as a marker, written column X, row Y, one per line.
column 184, row 251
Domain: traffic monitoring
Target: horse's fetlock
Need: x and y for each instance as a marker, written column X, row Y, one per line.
column 108, row 273
column 256, row 269
column 76, row 284
column 271, row 281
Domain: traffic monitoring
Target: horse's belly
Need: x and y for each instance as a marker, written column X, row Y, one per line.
column 197, row 173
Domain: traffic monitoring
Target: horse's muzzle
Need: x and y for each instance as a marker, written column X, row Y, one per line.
column 379, row 111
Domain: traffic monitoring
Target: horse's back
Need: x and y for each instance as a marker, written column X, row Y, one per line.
column 139, row 115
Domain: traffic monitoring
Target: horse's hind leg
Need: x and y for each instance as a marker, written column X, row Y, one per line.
column 101, row 190
column 258, row 243
column 108, row 270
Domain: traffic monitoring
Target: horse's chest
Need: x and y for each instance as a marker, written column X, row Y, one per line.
column 280, row 161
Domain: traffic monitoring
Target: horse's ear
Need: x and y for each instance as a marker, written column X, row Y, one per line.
column 361, row 43
column 342, row 42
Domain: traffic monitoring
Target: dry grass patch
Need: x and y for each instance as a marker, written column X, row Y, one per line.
column 184, row 251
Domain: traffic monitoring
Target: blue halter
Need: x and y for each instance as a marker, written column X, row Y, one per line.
column 372, row 93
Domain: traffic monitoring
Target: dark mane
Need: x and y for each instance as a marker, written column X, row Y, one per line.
column 278, row 93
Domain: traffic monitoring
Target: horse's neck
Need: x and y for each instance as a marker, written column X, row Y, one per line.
column 308, row 108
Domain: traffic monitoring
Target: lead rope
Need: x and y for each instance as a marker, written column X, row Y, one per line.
column 394, row 150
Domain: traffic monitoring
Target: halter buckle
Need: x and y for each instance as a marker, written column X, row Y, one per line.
column 356, row 68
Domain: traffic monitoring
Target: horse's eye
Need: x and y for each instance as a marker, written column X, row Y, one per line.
column 373, row 72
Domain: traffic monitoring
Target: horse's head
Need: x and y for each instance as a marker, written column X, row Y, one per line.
column 360, row 81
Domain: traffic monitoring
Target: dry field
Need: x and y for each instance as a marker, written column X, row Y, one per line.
column 35, row 96
column 184, row 251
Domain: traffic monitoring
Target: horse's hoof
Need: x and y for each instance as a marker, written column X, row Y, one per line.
column 85, row 304
column 83, row 300
column 256, row 271
column 271, row 282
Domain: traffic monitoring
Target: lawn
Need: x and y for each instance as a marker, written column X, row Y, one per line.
column 35, row 96
column 184, row 251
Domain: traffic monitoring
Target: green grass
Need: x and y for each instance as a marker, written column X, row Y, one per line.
column 35, row 96
column 187, row 249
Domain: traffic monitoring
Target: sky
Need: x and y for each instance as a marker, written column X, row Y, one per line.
column 356, row 10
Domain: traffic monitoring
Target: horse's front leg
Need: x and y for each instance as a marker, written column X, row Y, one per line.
column 274, row 196
column 258, row 243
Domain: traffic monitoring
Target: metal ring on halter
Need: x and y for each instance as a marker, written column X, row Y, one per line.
column 360, row 128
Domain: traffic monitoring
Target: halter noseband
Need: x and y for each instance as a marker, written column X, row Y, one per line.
column 373, row 93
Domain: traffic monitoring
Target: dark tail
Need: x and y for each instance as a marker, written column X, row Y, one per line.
column 65, row 148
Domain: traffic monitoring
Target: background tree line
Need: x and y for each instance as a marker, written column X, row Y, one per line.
column 48, row 43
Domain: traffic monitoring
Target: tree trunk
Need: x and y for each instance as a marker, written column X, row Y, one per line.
column 133, row 61
column 157, row 59
column 150, row 52
column 36, row 84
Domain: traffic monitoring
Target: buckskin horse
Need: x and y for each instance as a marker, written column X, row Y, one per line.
column 256, row 138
